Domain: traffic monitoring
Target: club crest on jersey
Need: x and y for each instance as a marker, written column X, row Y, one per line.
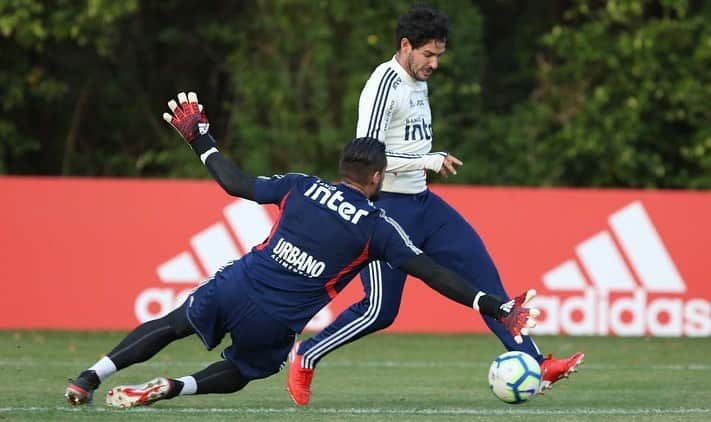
column 293, row 258
column 329, row 195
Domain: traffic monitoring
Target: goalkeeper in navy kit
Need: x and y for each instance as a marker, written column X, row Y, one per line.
column 326, row 234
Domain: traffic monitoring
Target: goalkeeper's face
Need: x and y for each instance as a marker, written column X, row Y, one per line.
column 422, row 61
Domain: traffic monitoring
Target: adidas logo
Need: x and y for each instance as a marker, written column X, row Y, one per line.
column 633, row 289
column 248, row 224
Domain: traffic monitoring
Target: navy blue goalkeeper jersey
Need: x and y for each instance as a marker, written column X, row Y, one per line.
column 325, row 235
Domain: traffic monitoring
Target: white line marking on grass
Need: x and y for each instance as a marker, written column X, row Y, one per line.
column 692, row 366
column 369, row 411
column 459, row 364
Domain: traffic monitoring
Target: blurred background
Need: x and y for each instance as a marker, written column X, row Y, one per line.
column 548, row 93
column 546, row 102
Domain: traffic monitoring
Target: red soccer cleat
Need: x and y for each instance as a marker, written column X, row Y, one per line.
column 299, row 379
column 553, row 370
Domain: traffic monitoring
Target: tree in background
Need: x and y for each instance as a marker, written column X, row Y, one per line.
column 46, row 78
column 580, row 93
column 87, row 81
column 622, row 99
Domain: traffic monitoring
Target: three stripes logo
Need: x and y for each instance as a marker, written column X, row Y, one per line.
column 248, row 224
column 631, row 290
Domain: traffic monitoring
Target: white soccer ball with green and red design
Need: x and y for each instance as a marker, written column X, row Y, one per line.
column 514, row 377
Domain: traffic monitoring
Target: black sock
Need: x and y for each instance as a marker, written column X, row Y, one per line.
column 221, row 377
column 150, row 337
column 88, row 380
column 175, row 389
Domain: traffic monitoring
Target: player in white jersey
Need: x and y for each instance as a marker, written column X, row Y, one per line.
column 394, row 108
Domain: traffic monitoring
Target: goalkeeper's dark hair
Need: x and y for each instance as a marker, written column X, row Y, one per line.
column 361, row 158
column 420, row 25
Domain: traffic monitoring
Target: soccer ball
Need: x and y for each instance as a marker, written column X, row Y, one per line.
column 514, row 377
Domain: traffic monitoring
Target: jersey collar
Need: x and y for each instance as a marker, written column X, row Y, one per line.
column 355, row 191
column 402, row 72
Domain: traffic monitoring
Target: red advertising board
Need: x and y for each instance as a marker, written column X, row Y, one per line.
column 108, row 254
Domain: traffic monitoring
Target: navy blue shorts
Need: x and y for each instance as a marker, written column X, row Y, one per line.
column 260, row 345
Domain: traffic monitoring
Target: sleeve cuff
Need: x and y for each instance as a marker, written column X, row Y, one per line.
column 488, row 305
column 203, row 144
column 434, row 161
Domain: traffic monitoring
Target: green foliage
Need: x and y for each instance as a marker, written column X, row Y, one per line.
column 50, row 54
column 609, row 93
column 296, row 96
column 622, row 100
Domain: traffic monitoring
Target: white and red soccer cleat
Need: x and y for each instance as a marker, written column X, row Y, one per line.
column 553, row 370
column 140, row 395
column 299, row 378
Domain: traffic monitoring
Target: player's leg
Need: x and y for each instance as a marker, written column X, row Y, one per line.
column 138, row 346
column 481, row 272
column 456, row 245
column 221, row 377
column 382, row 285
column 200, row 314
column 377, row 310
column 260, row 346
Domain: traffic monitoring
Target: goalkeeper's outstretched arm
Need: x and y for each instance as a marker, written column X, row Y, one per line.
column 513, row 314
column 452, row 286
column 225, row 172
column 188, row 117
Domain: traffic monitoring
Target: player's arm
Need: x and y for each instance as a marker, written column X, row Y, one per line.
column 225, row 172
column 451, row 285
column 512, row 314
column 189, row 119
column 376, row 105
column 439, row 162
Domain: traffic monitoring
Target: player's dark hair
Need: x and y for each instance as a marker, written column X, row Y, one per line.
column 420, row 25
column 361, row 158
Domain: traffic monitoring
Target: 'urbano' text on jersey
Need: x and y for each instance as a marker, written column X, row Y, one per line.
column 294, row 259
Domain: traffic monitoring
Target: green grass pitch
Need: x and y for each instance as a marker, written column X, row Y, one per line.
column 383, row 377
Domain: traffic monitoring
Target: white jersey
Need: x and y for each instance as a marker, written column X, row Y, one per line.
column 394, row 108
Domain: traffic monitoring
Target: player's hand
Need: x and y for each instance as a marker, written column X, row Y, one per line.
column 448, row 165
column 188, row 117
column 518, row 318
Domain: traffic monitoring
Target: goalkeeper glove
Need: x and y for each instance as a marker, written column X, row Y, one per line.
column 188, row 117
column 513, row 315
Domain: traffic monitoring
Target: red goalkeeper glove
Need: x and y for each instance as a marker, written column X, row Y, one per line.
column 188, row 117
column 517, row 318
